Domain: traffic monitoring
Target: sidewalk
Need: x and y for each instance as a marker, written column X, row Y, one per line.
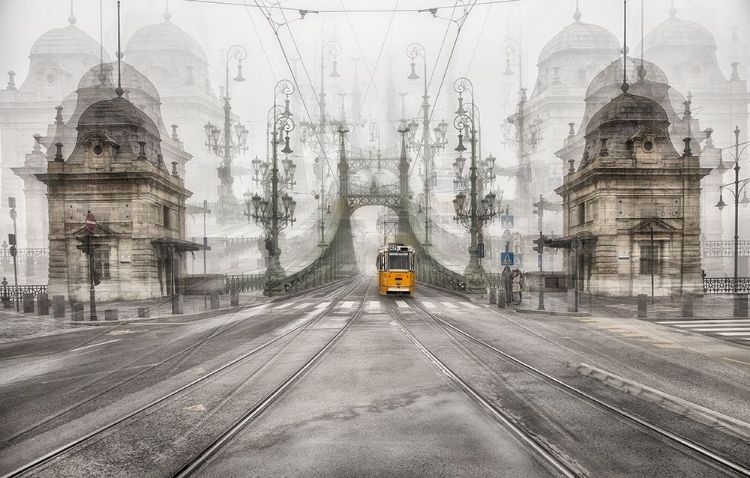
column 19, row 326
column 706, row 306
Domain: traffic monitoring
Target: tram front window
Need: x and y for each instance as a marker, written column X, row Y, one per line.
column 398, row 261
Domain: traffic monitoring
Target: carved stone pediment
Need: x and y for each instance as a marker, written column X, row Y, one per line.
column 659, row 225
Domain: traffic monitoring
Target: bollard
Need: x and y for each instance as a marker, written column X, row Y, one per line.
column 234, row 298
column 642, row 305
column 43, row 302
column 78, row 312
column 572, row 297
column 215, row 299
column 143, row 313
column 493, row 295
column 58, row 306
column 6, row 302
column 28, row 303
column 687, row 305
column 110, row 314
column 740, row 305
column 501, row 303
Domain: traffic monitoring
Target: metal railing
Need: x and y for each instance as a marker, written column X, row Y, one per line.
column 11, row 292
column 243, row 283
column 725, row 285
column 725, row 248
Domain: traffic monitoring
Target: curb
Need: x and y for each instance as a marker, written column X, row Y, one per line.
column 197, row 316
column 553, row 312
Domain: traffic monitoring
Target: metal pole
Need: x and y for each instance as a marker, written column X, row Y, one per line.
column 651, row 264
column 17, row 295
column 205, row 244
column 427, row 153
column 736, row 202
column 92, row 290
column 541, row 276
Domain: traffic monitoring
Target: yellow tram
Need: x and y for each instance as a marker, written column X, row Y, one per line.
column 397, row 273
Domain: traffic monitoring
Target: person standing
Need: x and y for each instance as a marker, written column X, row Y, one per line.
column 516, row 286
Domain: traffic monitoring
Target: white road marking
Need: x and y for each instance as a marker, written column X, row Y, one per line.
column 283, row 306
column 736, row 329
column 348, row 304
column 374, row 304
column 469, row 305
column 402, row 304
column 687, row 323
column 322, row 304
column 95, row 345
column 450, row 305
column 303, row 305
column 734, row 334
column 429, row 305
column 728, row 324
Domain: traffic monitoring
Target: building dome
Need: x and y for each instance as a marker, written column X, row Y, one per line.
column 106, row 75
column 579, row 37
column 627, row 107
column 676, row 33
column 165, row 36
column 125, row 125
column 66, row 41
column 612, row 75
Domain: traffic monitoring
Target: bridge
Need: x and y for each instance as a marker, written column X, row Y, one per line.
column 334, row 259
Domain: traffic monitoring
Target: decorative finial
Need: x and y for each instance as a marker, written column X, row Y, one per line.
column 672, row 10
column 174, row 132
column 577, row 15
column 37, row 144
column 735, row 74
column 709, row 140
column 641, row 72
column 58, row 116
column 687, row 151
column 58, row 153
column 11, row 80
column 175, row 173
column 141, row 150
column 167, row 15
column 71, row 18
column 572, row 130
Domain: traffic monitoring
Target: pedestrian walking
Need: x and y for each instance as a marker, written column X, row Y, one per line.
column 516, row 286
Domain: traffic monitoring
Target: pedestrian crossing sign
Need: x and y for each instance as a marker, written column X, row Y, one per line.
column 506, row 259
column 506, row 222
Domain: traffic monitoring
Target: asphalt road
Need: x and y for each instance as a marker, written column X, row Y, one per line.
column 374, row 404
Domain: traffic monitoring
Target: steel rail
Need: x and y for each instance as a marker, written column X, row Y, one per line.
column 202, row 458
column 78, row 441
column 691, row 445
column 499, row 414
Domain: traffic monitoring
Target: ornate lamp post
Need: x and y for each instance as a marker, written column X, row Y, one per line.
column 736, row 193
column 223, row 145
column 274, row 213
column 476, row 213
column 413, row 51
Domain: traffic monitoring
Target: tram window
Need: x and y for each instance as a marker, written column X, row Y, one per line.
column 398, row 261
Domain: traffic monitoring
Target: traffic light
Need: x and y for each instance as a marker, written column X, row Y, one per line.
column 538, row 209
column 540, row 243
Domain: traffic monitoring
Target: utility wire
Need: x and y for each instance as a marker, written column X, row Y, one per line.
column 262, row 46
column 303, row 12
column 377, row 62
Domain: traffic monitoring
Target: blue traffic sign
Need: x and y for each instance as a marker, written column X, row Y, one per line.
column 506, row 222
column 506, row 259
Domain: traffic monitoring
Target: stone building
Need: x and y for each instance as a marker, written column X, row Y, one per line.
column 177, row 65
column 566, row 65
column 634, row 203
column 117, row 172
column 57, row 60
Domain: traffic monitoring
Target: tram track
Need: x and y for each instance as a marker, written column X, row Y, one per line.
column 461, row 338
column 203, row 457
column 62, row 451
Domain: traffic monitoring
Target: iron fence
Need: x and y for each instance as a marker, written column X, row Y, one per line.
column 11, row 292
column 725, row 248
column 244, row 283
column 725, row 285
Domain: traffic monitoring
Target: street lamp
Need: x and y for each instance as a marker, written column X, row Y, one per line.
column 476, row 213
column 413, row 51
column 736, row 193
column 223, row 145
column 274, row 213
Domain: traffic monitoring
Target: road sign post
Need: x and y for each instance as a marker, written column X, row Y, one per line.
column 90, row 228
column 12, row 242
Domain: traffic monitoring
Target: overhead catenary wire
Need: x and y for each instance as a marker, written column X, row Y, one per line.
column 377, row 62
column 303, row 11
